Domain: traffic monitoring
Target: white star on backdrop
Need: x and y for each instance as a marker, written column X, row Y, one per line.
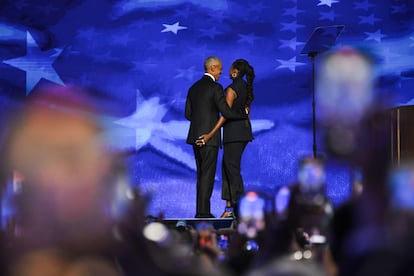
column 364, row 5
column 291, row 26
column 291, row 43
column 174, row 28
column 327, row 2
column 377, row 35
column 370, row 19
column 289, row 64
column 165, row 137
column 292, row 11
column 37, row 64
column 249, row 38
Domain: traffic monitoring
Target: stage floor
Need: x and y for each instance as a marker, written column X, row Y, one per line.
column 218, row 223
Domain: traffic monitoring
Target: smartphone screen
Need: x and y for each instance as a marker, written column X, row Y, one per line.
column 401, row 185
column 222, row 242
column 311, row 176
column 8, row 208
column 252, row 214
column 282, row 199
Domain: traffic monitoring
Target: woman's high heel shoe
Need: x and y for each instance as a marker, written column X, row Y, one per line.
column 228, row 213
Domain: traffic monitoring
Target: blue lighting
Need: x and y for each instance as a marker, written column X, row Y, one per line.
column 140, row 58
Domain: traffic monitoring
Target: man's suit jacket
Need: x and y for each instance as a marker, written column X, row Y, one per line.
column 205, row 99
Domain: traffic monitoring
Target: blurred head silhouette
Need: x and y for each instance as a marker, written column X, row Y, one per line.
column 345, row 85
column 55, row 147
column 345, row 93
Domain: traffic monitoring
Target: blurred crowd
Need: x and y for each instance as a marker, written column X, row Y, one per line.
column 73, row 212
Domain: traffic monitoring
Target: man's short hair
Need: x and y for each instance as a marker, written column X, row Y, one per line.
column 210, row 61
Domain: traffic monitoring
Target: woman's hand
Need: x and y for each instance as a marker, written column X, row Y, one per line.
column 247, row 110
column 202, row 140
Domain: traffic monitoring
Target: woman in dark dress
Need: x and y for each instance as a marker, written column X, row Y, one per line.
column 236, row 133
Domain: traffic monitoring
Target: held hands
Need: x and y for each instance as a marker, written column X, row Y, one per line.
column 202, row 140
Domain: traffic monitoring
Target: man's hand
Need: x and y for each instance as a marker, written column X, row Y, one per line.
column 247, row 110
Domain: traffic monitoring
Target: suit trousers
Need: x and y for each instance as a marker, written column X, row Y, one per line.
column 206, row 161
column 232, row 187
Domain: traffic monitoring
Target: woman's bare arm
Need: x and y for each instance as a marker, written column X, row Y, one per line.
column 203, row 139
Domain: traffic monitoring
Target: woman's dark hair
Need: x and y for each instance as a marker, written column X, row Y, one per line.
column 246, row 69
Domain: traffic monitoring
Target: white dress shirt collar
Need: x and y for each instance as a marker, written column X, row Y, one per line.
column 210, row 75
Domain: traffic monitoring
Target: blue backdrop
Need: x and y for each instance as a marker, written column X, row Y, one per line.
column 141, row 56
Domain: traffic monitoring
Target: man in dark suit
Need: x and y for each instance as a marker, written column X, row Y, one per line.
column 205, row 100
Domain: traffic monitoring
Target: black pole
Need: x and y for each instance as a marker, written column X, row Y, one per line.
column 312, row 55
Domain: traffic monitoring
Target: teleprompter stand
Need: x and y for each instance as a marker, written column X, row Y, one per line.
column 321, row 40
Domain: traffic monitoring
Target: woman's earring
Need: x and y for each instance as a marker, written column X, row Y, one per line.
column 234, row 75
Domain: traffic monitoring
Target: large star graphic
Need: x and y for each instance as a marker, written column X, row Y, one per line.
column 174, row 28
column 37, row 64
column 289, row 64
column 166, row 137
column 151, row 131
